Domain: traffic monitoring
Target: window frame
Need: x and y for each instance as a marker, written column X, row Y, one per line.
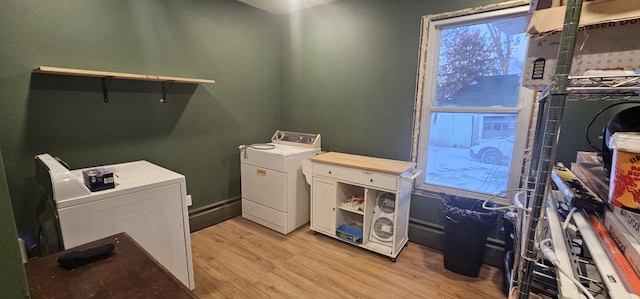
column 425, row 98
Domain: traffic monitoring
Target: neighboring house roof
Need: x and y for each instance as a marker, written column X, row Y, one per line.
column 488, row 91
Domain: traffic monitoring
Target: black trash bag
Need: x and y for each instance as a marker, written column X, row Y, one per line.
column 466, row 227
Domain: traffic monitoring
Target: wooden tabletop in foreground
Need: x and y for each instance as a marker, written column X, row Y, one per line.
column 130, row 272
column 364, row 162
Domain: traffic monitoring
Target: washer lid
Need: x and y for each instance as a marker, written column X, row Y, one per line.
column 276, row 149
column 129, row 177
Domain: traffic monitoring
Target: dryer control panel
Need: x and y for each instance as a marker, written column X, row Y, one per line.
column 297, row 139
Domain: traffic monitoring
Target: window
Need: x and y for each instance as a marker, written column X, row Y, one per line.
column 472, row 116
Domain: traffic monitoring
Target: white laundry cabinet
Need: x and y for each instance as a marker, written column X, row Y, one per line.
column 148, row 202
column 361, row 200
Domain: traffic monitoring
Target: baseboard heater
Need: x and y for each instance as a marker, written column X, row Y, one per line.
column 208, row 215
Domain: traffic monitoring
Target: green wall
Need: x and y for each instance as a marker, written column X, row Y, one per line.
column 196, row 133
column 349, row 72
column 13, row 282
column 576, row 117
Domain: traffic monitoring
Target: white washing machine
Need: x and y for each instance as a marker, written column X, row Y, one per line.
column 274, row 191
column 148, row 202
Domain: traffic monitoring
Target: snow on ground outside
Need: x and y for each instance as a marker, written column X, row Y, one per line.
column 454, row 167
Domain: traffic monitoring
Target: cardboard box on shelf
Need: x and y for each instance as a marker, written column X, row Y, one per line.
column 588, row 157
column 607, row 39
column 594, row 12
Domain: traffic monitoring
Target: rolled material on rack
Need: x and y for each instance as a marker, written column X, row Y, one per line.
column 629, row 278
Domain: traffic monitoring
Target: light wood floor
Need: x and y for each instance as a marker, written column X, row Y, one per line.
column 240, row 259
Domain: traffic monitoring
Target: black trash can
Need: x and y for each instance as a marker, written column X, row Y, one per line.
column 466, row 227
column 508, row 221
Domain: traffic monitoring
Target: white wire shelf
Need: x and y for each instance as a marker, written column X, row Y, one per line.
column 601, row 88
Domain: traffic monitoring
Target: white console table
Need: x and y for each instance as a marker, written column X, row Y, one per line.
column 362, row 200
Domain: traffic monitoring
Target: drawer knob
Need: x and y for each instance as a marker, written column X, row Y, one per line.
column 371, row 180
column 329, row 172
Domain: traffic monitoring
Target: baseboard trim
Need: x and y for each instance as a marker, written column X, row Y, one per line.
column 215, row 213
column 432, row 235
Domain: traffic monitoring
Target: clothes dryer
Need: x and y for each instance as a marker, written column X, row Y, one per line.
column 274, row 191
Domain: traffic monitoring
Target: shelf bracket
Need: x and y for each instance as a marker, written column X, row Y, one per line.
column 165, row 89
column 106, row 81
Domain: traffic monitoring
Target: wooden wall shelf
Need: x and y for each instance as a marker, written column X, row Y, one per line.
column 128, row 76
column 106, row 76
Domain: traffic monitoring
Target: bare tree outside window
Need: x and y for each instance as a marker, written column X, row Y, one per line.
column 470, row 53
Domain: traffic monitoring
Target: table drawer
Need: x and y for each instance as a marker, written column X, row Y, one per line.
column 374, row 179
column 357, row 176
column 331, row 171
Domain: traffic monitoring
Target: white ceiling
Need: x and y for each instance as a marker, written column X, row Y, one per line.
column 284, row 6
